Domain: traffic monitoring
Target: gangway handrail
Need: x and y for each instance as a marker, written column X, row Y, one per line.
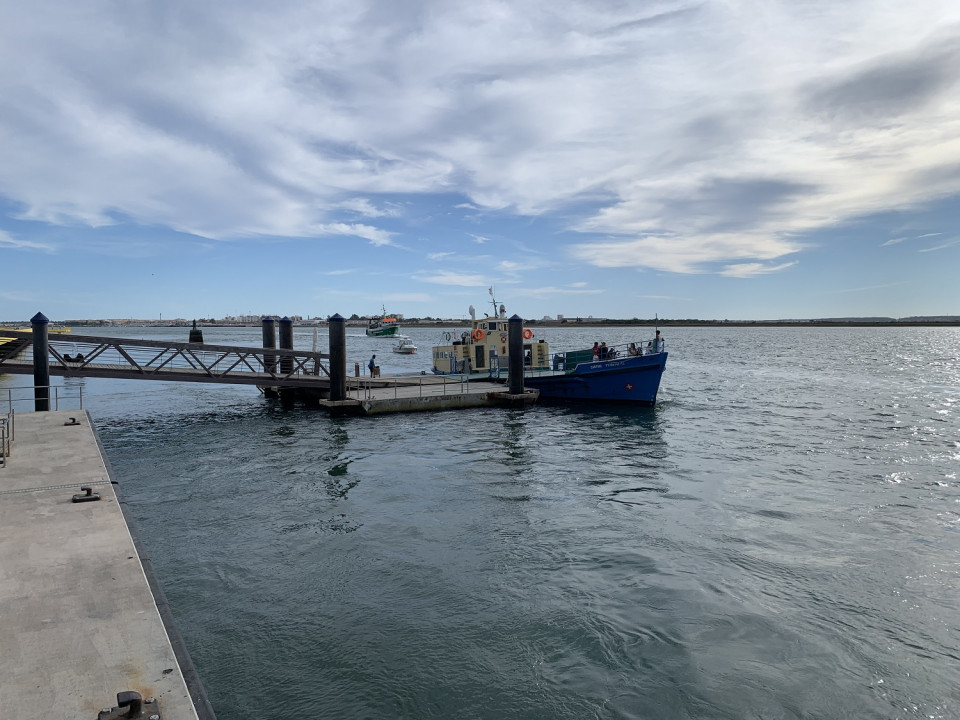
column 156, row 358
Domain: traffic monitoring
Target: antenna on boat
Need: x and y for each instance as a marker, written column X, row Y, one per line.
column 493, row 299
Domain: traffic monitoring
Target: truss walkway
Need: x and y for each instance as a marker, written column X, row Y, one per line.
column 110, row 357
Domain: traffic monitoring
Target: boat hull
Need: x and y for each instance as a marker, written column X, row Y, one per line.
column 384, row 332
column 632, row 380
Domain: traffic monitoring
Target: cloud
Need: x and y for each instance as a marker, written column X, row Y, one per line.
column 940, row 247
column 407, row 297
column 683, row 137
column 445, row 277
column 10, row 242
column 363, row 206
column 18, row 296
column 693, row 254
column 373, row 234
column 883, row 286
column 898, row 240
column 743, row 270
column 547, row 291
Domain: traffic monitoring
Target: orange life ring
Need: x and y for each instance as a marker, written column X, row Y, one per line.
column 478, row 334
column 527, row 334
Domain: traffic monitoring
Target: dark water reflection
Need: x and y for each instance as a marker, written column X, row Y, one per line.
column 779, row 537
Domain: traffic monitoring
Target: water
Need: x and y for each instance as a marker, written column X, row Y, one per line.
column 778, row 538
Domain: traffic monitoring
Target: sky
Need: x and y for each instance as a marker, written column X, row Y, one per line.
column 712, row 159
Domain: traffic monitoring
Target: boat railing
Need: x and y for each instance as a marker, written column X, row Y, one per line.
column 567, row 361
column 363, row 388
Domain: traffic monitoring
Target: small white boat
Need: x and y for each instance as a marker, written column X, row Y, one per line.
column 405, row 346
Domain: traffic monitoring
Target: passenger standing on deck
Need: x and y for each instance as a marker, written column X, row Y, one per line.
column 603, row 351
column 658, row 343
column 596, row 351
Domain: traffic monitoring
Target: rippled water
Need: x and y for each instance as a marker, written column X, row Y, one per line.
column 778, row 538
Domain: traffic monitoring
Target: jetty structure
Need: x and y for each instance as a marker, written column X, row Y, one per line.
column 84, row 629
column 316, row 377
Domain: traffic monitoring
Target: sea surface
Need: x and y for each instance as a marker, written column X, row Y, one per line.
column 778, row 538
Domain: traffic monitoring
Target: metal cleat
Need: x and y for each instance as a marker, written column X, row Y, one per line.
column 89, row 495
column 131, row 705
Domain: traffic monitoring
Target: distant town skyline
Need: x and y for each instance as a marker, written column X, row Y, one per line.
column 708, row 160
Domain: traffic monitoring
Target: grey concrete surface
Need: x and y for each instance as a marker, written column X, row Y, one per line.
column 78, row 623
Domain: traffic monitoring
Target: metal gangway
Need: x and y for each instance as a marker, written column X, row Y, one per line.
column 129, row 359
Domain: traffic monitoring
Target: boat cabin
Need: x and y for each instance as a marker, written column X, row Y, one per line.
column 484, row 347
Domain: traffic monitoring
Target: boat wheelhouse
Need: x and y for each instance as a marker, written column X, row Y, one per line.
column 629, row 373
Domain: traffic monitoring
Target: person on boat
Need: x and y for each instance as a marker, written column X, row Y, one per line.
column 603, row 351
column 528, row 359
column 658, row 343
column 632, row 350
column 596, row 351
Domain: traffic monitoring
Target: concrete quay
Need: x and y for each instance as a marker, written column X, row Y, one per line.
column 79, row 622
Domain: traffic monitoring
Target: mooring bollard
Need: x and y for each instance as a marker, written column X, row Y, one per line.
column 196, row 334
column 269, row 341
column 338, row 358
column 515, row 362
column 286, row 362
column 41, row 362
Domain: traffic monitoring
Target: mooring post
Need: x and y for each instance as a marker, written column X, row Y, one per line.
column 269, row 341
column 515, row 363
column 41, row 363
column 338, row 357
column 196, row 334
column 286, row 362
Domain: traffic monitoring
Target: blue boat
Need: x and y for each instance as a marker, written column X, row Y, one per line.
column 629, row 379
column 624, row 374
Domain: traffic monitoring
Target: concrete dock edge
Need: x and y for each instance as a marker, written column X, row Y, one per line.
column 82, row 616
column 197, row 693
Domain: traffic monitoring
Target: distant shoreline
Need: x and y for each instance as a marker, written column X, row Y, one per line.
column 592, row 323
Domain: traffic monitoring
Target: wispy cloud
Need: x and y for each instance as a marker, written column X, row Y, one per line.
column 10, row 242
column 743, row 270
column 543, row 292
column 19, row 296
column 407, row 297
column 445, row 277
column 898, row 240
column 868, row 288
column 940, row 247
column 367, row 232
